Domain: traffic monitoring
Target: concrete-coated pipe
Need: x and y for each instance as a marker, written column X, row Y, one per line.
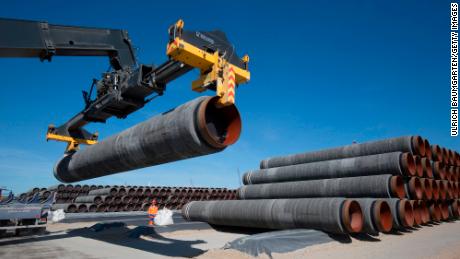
column 395, row 163
column 335, row 215
column 376, row 186
column 418, row 212
column 96, row 199
column 427, row 169
column 427, row 188
column 411, row 144
column 428, row 153
column 438, row 170
column 402, row 212
column 193, row 129
column 104, row 191
column 436, row 189
column 91, row 207
column 435, row 211
column 442, row 189
column 377, row 215
column 436, row 153
column 454, row 209
column 418, row 166
column 82, row 208
column 444, row 210
column 101, row 208
column 414, row 189
column 67, row 207
column 425, row 212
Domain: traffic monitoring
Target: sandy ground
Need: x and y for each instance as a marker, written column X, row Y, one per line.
column 438, row 241
column 73, row 240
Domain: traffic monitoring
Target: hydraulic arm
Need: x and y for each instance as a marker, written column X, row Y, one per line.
column 127, row 86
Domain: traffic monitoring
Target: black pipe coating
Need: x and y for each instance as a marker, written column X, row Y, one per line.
column 395, row 163
column 410, row 144
column 335, row 215
column 376, row 186
column 193, row 129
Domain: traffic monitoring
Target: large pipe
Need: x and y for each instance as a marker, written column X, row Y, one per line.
column 336, row 215
column 425, row 212
column 418, row 212
column 96, row 199
column 403, row 214
column 436, row 153
column 414, row 189
column 104, row 191
column 427, row 169
column 435, row 212
column 67, row 207
column 395, row 163
column 411, row 144
column 193, row 129
column 427, row 188
column 376, row 186
column 454, row 209
column 377, row 215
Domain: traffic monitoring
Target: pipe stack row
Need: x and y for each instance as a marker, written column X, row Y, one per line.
column 99, row 198
column 371, row 187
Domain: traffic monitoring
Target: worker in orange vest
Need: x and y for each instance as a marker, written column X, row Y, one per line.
column 153, row 210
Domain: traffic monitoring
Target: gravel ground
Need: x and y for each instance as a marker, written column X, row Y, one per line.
column 74, row 240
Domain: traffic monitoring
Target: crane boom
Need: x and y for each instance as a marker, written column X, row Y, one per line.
column 128, row 86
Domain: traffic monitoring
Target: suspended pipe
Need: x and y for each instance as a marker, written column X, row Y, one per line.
column 193, row 129
column 411, row 144
column 335, row 215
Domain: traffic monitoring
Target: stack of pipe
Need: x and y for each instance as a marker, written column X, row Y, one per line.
column 397, row 183
column 99, row 198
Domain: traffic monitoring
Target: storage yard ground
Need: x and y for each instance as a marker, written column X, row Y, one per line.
column 195, row 239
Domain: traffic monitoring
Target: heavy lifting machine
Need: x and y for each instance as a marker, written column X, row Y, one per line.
column 128, row 86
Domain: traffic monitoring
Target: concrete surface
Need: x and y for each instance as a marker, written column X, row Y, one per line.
column 195, row 239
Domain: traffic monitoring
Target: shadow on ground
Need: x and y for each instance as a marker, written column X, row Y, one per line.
column 140, row 238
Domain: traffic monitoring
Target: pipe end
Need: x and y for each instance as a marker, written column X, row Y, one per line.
column 418, row 166
column 406, row 213
column 382, row 216
column 352, row 216
column 218, row 126
column 417, row 212
column 397, row 187
column 415, row 188
column 436, row 153
column 428, row 153
column 427, row 169
column 408, row 164
column 427, row 188
column 418, row 145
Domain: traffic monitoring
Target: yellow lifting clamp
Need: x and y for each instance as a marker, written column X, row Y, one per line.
column 72, row 142
column 215, row 70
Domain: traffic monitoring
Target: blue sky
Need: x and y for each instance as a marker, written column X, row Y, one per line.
column 323, row 74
